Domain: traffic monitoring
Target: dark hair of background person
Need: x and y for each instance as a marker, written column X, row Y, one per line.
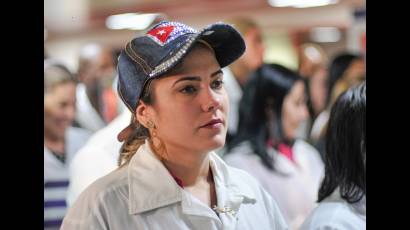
column 345, row 161
column 263, row 96
column 337, row 67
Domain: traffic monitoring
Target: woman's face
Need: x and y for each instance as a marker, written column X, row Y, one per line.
column 59, row 109
column 253, row 56
column 294, row 110
column 191, row 105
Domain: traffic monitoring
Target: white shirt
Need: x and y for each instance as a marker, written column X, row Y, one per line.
column 336, row 214
column 295, row 193
column 234, row 91
column 143, row 195
column 97, row 158
column 86, row 115
column 319, row 124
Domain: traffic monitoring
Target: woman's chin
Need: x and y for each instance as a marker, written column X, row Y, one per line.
column 216, row 142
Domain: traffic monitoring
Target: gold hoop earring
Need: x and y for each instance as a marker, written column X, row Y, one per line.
column 157, row 144
column 150, row 125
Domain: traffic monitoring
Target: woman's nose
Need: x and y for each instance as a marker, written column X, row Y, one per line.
column 70, row 112
column 211, row 101
column 304, row 114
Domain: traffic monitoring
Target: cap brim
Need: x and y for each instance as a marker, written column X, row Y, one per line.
column 227, row 43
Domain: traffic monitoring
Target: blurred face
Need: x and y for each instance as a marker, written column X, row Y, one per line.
column 59, row 109
column 101, row 71
column 253, row 56
column 356, row 72
column 294, row 110
column 190, row 106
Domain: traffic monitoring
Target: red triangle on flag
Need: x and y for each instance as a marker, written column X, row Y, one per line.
column 161, row 33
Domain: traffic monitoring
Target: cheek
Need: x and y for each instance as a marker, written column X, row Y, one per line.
column 176, row 117
column 290, row 115
column 225, row 102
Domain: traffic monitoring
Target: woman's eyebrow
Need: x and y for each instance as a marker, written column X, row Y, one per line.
column 196, row 78
column 216, row 73
column 191, row 78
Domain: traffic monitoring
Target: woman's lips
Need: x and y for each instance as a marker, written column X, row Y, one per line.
column 213, row 124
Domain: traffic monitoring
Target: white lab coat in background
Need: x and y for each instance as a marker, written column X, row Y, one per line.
column 143, row 195
column 296, row 192
column 234, row 91
column 97, row 158
column 86, row 116
column 336, row 214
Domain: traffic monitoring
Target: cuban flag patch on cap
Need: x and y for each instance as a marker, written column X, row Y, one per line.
column 166, row 32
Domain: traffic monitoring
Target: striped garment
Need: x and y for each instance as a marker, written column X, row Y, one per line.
column 54, row 203
column 56, row 178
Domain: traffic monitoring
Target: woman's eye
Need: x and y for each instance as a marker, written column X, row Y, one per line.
column 63, row 104
column 217, row 84
column 188, row 89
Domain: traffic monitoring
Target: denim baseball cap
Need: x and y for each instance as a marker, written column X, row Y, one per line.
column 164, row 45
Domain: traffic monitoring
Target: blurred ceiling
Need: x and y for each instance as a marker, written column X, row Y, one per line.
column 62, row 17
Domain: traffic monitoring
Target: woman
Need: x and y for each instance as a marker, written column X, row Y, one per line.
column 272, row 108
column 61, row 141
column 342, row 195
column 169, row 178
column 345, row 71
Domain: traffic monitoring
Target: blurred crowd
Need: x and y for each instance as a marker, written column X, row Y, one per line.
column 278, row 123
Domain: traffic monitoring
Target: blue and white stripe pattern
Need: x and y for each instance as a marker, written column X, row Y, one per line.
column 56, row 178
column 55, row 205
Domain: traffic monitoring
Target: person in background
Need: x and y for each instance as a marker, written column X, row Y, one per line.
column 237, row 73
column 271, row 109
column 96, row 99
column 342, row 195
column 312, row 62
column 345, row 71
column 61, row 141
column 169, row 176
column 318, row 92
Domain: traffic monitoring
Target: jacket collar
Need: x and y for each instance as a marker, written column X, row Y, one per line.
column 151, row 186
column 359, row 207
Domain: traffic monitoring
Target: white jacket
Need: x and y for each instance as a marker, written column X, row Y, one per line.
column 296, row 191
column 336, row 214
column 234, row 91
column 97, row 158
column 143, row 195
column 86, row 116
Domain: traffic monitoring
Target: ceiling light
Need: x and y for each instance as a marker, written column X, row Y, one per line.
column 132, row 21
column 325, row 34
column 300, row 3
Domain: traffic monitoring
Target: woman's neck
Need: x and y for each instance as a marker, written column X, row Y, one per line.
column 188, row 166
column 55, row 144
column 193, row 171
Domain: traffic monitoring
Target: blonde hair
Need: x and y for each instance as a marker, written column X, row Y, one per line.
column 242, row 24
column 56, row 73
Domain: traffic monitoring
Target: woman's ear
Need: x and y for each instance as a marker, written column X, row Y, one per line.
column 143, row 113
